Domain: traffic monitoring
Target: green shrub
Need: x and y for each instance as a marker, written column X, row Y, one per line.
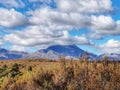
column 4, row 66
column 15, row 67
column 30, row 68
column 15, row 70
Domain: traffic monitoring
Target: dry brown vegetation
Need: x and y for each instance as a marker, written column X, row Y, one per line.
column 42, row 74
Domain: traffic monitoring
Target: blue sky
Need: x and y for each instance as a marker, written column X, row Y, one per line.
column 29, row 25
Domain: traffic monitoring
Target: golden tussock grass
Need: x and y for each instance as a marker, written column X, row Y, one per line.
column 42, row 74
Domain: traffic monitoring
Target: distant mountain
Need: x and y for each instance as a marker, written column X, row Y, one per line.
column 53, row 52
column 112, row 56
column 10, row 55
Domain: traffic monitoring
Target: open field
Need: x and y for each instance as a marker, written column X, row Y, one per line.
column 42, row 74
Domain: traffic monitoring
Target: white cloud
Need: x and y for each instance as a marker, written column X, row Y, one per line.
column 34, row 36
column 85, row 6
column 59, row 20
column 102, row 22
column 50, row 26
column 18, row 48
column 105, row 25
column 1, row 42
column 112, row 46
column 12, row 3
column 11, row 18
column 95, row 36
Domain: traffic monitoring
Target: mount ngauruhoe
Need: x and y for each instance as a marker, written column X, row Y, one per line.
column 53, row 52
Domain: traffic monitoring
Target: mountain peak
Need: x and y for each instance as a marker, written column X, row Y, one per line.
column 67, row 50
column 62, row 46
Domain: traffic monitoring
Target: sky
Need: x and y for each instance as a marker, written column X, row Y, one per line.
column 30, row 25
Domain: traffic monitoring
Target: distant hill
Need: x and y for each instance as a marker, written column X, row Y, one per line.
column 10, row 55
column 112, row 56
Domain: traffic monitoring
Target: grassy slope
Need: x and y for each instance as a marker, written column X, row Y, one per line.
column 41, row 74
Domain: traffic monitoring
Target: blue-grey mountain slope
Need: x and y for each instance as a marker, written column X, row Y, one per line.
column 53, row 52
column 111, row 57
column 10, row 55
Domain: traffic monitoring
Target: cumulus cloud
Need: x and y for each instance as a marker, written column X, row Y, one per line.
column 50, row 29
column 18, row 48
column 112, row 46
column 105, row 25
column 103, row 22
column 1, row 42
column 59, row 20
column 11, row 18
column 51, row 26
column 12, row 3
column 85, row 6
column 95, row 36
column 34, row 36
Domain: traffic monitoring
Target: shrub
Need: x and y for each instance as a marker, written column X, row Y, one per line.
column 15, row 70
column 15, row 67
column 30, row 68
column 4, row 66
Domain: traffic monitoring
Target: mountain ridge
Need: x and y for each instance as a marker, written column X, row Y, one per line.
column 10, row 55
column 53, row 52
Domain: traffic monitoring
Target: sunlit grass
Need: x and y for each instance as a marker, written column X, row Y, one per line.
column 42, row 74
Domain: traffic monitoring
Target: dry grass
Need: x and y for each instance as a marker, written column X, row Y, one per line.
column 42, row 74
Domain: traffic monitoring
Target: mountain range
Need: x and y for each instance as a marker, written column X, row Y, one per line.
column 10, row 55
column 53, row 52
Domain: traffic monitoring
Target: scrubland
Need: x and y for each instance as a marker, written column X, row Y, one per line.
column 43, row 74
